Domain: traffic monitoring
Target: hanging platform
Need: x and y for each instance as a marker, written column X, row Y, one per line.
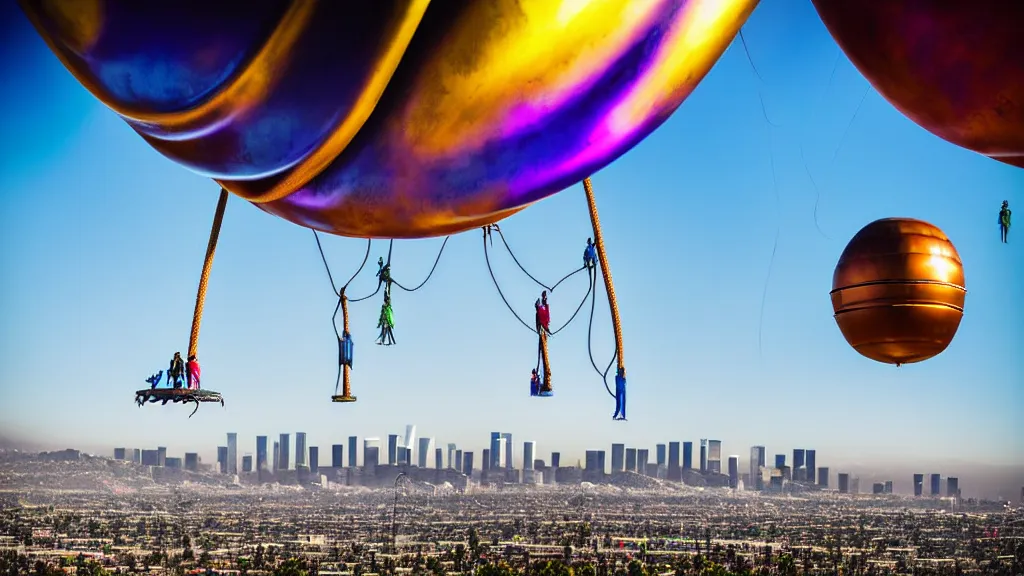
column 177, row 395
column 343, row 398
column 546, row 393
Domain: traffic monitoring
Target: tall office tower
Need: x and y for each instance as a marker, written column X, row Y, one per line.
column 509, row 451
column 261, row 453
column 314, row 459
column 403, row 456
column 192, row 461
column 161, row 456
column 392, row 449
column 618, row 457
column 715, row 456
column 936, row 485
column 451, row 456
column 247, row 464
column 529, row 450
column 137, row 455
column 353, row 444
column 500, row 458
column 878, row 488
column 424, row 451
column 300, row 449
column 823, row 476
column 703, row 455
column 119, row 453
column 485, row 460
column 630, row 459
column 371, row 453
column 918, row 484
column 798, row 458
column 285, row 445
column 757, row 460
column 150, row 457
column 854, row 485
column 687, row 455
column 888, row 487
column 810, row 464
column 495, row 449
column 591, row 461
column 953, row 487
column 410, row 441
column 673, row 474
column 556, row 459
column 458, row 461
column 780, row 461
column 467, row 463
column 659, row 451
column 277, row 456
column 222, row 459
column 642, row 456
column 232, row 453
column 844, row 483
column 338, row 456
column 734, row 471
column 438, row 459
column 601, row 461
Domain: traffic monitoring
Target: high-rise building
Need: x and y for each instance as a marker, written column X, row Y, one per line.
column 687, row 455
column 300, row 449
column 438, row 459
column 780, row 461
column 529, row 450
column 485, row 459
column 952, row 487
column 232, row 453
column 338, row 456
column 878, row 488
column 161, row 456
column 451, row 456
column 715, row 456
column 119, row 453
column 601, row 462
column 936, row 485
column 631, row 459
column 591, row 461
column 556, row 458
column 809, row 462
column 261, row 453
column 823, row 476
column 410, row 441
column 404, row 455
column 844, row 483
column 353, row 445
column 703, row 455
column 458, row 460
column 495, row 450
column 285, row 444
column 424, row 451
column 798, row 458
column 618, row 457
column 734, row 471
column 502, row 454
column 392, row 449
column 642, row 456
column 673, row 473
column 137, row 455
column 150, row 458
column 191, row 461
column 509, row 452
column 918, row 484
column 314, row 459
column 371, row 453
column 247, row 464
column 854, row 485
column 757, row 461
column 888, row 487
column 467, row 463
column 277, row 456
column 222, row 459
column 660, row 454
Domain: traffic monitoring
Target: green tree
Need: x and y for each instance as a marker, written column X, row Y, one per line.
column 292, row 567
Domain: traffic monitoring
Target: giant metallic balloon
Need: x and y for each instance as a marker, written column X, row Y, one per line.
column 898, row 291
column 391, row 118
column 955, row 67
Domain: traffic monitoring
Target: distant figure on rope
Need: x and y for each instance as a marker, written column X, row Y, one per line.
column 543, row 316
column 345, row 350
column 176, row 371
column 535, row 383
column 386, row 323
column 384, row 276
column 193, row 373
column 620, row 395
column 154, row 380
column 1004, row 221
column 590, row 255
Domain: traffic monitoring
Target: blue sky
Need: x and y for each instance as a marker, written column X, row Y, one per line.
column 101, row 243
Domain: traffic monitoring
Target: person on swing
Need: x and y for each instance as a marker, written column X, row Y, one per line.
column 535, row 383
column 590, row 255
column 193, row 373
column 176, row 371
column 620, row 395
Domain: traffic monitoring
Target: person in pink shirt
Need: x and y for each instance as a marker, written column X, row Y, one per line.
column 543, row 315
column 192, row 370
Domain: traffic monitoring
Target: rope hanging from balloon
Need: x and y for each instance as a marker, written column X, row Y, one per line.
column 429, row 274
column 204, row 277
column 490, row 270
column 602, row 257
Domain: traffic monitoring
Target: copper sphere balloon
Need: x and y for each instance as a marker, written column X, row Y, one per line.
column 396, row 119
column 898, row 291
column 956, row 68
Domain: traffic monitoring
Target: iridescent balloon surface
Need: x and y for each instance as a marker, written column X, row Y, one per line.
column 898, row 291
column 955, row 67
column 396, row 119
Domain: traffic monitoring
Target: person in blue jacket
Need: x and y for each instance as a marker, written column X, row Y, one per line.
column 620, row 395
column 590, row 255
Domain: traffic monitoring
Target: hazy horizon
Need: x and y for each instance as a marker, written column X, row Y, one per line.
column 102, row 240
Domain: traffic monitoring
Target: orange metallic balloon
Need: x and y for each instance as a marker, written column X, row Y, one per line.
column 898, row 291
column 954, row 67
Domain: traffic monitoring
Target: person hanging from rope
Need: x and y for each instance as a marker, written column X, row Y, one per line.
column 535, row 383
column 384, row 276
column 193, row 373
column 543, row 315
column 1004, row 221
column 346, row 349
column 620, row 395
column 590, row 255
column 386, row 323
column 176, row 371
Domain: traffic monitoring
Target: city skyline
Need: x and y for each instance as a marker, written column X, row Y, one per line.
column 732, row 339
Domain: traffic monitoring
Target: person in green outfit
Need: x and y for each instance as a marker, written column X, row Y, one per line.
column 1004, row 220
column 386, row 323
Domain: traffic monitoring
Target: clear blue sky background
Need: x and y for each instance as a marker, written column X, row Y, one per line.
column 101, row 243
